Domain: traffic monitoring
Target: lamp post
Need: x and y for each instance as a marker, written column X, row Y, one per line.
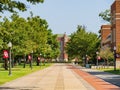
column 10, row 46
column 87, row 59
column 83, row 61
column 97, row 59
column 44, row 58
column 31, row 59
column 114, row 58
column 40, row 58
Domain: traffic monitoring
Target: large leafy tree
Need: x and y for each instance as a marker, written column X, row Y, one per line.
column 27, row 35
column 12, row 5
column 106, row 54
column 54, row 50
column 38, row 32
column 105, row 15
column 82, row 43
column 19, row 35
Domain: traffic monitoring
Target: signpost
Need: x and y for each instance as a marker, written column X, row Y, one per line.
column 30, row 60
column 5, row 57
column 5, row 54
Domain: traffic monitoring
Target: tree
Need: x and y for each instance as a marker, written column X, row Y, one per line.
column 38, row 32
column 27, row 35
column 3, row 38
column 82, row 43
column 106, row 15
column 53, row 51
column 106, row 54
column 12, row 5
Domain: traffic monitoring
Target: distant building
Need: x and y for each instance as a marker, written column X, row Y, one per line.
column 63, row 39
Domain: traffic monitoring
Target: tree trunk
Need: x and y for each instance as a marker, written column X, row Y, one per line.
column 107, row 63
column 6, row 64
column 24, row 61
column 13, row 63
column 104, row 63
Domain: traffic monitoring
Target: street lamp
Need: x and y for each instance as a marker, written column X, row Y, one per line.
column 44, row 58
column 97, row 58
column 10, row 46
column 83, row 60
column 114, row 58
column 86, row 59
column 31, row 59
column 40, row 58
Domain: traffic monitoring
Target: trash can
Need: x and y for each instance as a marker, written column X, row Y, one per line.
column 88, row 65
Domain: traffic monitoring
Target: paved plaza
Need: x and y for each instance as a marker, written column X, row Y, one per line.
column 59, row 77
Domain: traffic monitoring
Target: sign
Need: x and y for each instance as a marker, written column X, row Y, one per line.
column 5, row 54
column 38, row 58
column 117, row 55
column 87, row 59
column 29, row 57
column 98, row 57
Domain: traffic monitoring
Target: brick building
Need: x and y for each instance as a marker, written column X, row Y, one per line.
column 63, row 39
column 105, row 32
column 110, row 34
column 115, row 27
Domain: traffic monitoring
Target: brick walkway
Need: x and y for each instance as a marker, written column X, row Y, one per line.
column 96, row 82
column 59, row 77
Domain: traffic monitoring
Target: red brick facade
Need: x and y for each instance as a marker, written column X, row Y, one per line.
column 110, row 34
column 105, row 35
column 115, row 22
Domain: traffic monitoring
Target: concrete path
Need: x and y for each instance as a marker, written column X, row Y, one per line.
column 56, row 77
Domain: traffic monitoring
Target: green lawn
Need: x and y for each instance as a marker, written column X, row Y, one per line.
column 111, row 70
column 19, row 71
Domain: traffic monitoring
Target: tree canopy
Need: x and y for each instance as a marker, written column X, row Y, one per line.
column 82, row 43
column 12, row 5
column 106, row 15
column 27, row 35
column 106, row 54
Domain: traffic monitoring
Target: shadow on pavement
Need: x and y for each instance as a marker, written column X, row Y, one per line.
column 17, row 88
column 5, row 88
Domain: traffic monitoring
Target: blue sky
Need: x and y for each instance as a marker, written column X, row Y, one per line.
column 64, row 15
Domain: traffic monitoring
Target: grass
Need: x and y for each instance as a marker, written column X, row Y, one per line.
column 111, row 70
column 19, row 71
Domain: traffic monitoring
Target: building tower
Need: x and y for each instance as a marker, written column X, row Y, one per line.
column 63, row 39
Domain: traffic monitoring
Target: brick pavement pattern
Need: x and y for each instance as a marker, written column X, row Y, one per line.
column 96, row 82
column 59, row 77
column 56, row 77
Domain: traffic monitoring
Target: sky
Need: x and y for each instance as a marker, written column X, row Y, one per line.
column 65, row 15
